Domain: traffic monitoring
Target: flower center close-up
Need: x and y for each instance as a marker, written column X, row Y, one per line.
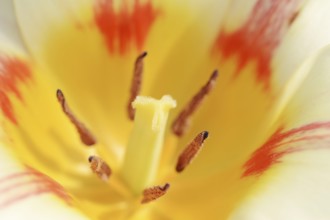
column 149, row 109
column 140, row 164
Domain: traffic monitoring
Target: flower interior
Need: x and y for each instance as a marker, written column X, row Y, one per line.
column 125, row 135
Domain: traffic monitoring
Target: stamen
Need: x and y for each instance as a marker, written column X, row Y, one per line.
column 154, row 193
column 136, row 84
column 100, row 167
column 181, row 123
column 191, row 151
column 85, row 135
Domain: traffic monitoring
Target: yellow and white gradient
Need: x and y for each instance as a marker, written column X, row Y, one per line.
column 239, row 115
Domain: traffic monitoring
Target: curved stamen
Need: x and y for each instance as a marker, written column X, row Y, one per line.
column 181, row 123
column 154, row 193
column 100, row 167
column 136, row 84
column 85, row 135
column 191, row 151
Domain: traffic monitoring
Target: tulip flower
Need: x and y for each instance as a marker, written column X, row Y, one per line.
column 149, row 109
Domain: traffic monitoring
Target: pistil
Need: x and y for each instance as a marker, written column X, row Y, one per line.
column 146, row 141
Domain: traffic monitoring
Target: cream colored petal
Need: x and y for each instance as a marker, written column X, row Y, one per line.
column 307, row 34
column 294, row 184
column 9, row 32
column 28, row 194
column 287, row 182
column 35, row 19
column 239, row 110
column 41, row 136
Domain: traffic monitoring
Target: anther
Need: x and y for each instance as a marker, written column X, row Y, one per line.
column 181, row 123
column 154, row 193
column 85, row 135
column 100, row 167
column 191, row 151
column 136, row 83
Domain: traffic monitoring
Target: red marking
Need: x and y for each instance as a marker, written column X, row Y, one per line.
column 259, row 36
column 37, row 184
column 24, row 196
column 12, row 71
column 125, row 26
column 284, row 142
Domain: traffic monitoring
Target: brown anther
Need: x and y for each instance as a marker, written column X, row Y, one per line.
column 136, row 83
column 181, row 123
column 85, row 135
column 100, row 167
column 191, row 151
column 154, row 193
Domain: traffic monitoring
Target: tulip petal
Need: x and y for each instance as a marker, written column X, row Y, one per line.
column 306, row 35
column 285, row 177
column 257, row 37
column 29, row 194
column 277, row 35
column 9, row 34
column 291, row 168
column 35, row 20
column 238, row 111
column 50, row 144
column 238, row 107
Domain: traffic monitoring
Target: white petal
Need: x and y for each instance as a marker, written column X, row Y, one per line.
column 296, row 184
column 36, row 19
column 9, row 31
column 25, row 194
column 308, row 33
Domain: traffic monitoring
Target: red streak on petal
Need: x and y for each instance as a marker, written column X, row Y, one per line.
column 122, row 28
column 12, row 71
column 282, row 142
column 24, row 196
column 258, row 37
column 33, row 183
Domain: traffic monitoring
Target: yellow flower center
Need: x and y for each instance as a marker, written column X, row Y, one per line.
column 140, row 165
